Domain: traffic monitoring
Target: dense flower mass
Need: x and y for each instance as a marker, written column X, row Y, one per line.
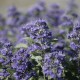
column 41, row 44
column 52, row 64
column 22, row 65
column 38, row 31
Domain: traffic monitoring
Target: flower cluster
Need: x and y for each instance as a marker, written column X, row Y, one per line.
column 54, row 15
column 39, row 32
column 22, row 65
column 5, row 57
column 52, row 65
column 75, row 36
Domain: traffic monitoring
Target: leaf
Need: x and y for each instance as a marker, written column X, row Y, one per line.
column 29, row 40
column 6, row 78
column 49, row 78
column 38, row 58
column 41, row 78
column 21, row 45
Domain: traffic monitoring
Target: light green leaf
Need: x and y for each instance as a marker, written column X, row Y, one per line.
column 21, row 45
column 38, row 58
column 41, row 78
column 29, row 39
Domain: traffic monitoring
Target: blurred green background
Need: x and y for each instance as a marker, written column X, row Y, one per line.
column 24, row 4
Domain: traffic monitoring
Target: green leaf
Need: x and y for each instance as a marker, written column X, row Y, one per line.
column 38, row 58
column 21, row 45
column 29, row 40
column 49, row 78
column 41, row 78
column 6, row 78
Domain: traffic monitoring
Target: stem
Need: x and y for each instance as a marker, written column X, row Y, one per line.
column 44, row 77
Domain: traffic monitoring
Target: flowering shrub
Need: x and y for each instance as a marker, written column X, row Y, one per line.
column 42, row 44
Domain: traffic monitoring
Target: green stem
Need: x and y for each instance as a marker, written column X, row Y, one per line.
column 44, row 77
